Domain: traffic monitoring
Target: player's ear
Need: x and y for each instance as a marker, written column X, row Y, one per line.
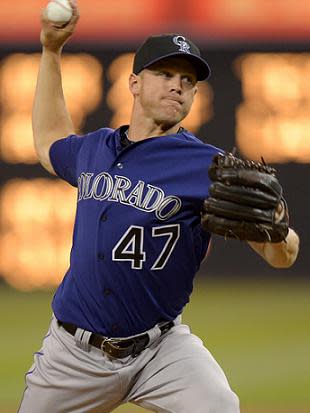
column 134, row 84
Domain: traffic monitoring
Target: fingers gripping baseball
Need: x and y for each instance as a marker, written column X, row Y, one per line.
column 54, row 36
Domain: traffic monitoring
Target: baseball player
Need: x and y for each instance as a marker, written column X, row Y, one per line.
column 116, row 334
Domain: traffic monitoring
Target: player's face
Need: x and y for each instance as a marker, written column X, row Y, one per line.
column 167, row 89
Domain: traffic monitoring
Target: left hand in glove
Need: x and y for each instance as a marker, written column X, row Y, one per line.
column 245, row 201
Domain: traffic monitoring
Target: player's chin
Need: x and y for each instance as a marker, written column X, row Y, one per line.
column 171, row 118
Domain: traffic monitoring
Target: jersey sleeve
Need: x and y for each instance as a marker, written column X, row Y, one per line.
column 64, row 155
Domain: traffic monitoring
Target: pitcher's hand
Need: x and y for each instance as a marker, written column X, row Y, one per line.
column 53, row 37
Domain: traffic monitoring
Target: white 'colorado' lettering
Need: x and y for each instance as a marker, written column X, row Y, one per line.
column 145, row 197
column 121, row 184
column 102, row 186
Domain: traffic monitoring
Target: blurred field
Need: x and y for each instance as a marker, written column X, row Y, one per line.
column 257, row 330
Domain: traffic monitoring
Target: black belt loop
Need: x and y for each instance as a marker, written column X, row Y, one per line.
column 119, row 348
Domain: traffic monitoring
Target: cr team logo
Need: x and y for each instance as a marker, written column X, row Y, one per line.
column 180, row 41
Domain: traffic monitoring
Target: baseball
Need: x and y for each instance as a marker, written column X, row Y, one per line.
column 59, row 11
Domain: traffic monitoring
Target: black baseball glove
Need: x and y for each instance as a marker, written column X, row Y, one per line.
column 245, row 201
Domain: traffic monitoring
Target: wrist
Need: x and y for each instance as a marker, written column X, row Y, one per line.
column 284, row 253
column 50, row 50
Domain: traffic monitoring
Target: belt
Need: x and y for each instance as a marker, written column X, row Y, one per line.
column 115, row 347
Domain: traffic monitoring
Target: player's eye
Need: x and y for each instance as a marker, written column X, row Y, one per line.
column 189, row 80
column 164, row 73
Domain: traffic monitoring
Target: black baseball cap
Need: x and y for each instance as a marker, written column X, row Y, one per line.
column 160, row 46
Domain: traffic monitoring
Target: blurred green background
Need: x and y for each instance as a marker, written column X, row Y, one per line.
column 258, row 330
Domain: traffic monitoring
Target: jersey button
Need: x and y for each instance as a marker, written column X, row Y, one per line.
column 101, row 256
column 120, row 165
column 103, row 218
column 119, row 148
column 107, row 291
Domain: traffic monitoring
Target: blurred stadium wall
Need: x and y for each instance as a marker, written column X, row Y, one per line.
column 258, row 99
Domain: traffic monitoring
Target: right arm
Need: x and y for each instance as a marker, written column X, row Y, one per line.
column 50, row 118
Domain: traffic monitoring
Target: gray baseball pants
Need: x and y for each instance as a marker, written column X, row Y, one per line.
column 175, row 374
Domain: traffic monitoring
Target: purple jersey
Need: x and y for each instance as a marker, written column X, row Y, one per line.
column 137, row 241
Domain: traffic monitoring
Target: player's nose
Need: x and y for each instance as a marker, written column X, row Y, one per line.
column 176, row 83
